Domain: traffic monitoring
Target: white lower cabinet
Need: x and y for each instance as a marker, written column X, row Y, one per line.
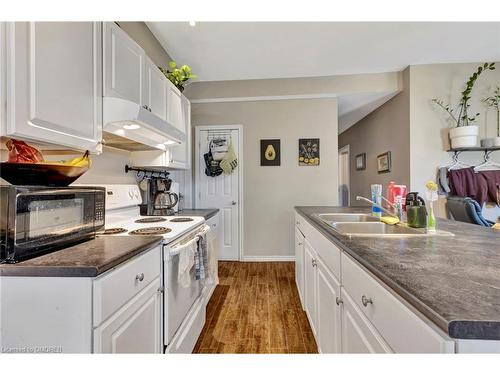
column 119, row 311
column 329, row 307
column 136, row 327
column 358, row 334
column 299, row 264
column 310, row 286
column 351, row 311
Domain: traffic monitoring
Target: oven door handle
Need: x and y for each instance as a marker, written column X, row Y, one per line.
column 177, row 249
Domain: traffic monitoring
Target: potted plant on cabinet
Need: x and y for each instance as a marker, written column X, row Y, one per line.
column 464, row 132
column 493, row 101
column 178, row 76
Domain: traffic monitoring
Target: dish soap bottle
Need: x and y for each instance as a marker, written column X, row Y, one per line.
column 431, row 195
column 416, row 214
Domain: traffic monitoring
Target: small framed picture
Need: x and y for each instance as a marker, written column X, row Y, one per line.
column 309, row 151
column 361, row 162
column 270, row 152
column 384, row 162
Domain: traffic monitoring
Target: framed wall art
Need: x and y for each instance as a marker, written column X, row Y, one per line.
column 270, row 152
column 384, row 162
column 309, row 151
column 360, row 162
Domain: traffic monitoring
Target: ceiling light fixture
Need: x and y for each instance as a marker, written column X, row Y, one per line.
column 131, row 127
column 192, row 23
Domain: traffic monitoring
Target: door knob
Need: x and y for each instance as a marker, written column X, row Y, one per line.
column 338, row 301
column 365, row 301
column 233, row 203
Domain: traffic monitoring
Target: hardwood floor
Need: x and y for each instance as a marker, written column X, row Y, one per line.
column 256, row 309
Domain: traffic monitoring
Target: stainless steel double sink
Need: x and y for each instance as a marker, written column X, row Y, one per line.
column 364, row 225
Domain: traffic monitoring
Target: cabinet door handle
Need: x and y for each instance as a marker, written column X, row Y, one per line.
column 365, row 301
column 314, row 262
column 338, row 301
column 297, row 222
column 139, row 277
column 160, row 290
column 300, row 243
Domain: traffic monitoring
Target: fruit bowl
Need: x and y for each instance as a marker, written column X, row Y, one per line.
column 40, row 174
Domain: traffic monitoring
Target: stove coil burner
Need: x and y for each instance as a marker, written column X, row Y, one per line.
column 150, row 231
column 151, row 220
column 181, row 220
column 113, row 231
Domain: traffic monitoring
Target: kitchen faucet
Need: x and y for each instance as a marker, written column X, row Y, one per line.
column 360, row 198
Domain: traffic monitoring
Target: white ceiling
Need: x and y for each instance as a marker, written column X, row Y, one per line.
column 252, row 50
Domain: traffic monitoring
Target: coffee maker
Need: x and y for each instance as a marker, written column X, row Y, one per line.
column 158, row 200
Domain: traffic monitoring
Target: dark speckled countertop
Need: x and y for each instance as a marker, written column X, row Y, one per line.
column 454, row 281
column 207, row 213
column 86, row 259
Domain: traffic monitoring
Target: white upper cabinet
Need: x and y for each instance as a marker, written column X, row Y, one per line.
column 175, row 116
column 3, row 73
column 124, row 65
column 53, row 74
column 180, row 156
column 156, row 90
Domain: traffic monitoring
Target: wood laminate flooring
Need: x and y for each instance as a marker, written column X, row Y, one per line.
column 256, row 309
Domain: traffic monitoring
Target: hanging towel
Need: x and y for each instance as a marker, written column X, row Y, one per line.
column 230, row 161
column 218, row 148
column 186, row 262
column 201, row 259
column 442, row 178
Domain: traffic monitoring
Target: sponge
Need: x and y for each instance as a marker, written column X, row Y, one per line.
column 389, row 220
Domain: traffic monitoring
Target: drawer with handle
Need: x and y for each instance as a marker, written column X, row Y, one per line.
column 116, row 287
column 390, row 316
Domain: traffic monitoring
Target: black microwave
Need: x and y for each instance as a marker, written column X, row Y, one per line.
column 36, row 220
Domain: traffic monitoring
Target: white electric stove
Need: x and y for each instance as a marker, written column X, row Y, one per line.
column 123, row 217
column 183, row 306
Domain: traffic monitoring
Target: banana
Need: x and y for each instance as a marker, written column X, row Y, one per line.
column 80, row 161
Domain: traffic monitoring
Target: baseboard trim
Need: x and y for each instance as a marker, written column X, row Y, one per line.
column 271, row 258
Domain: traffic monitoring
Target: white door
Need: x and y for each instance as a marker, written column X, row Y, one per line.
column 328, row 311
column 124, row 64
column 299, row 264
column 344, row 184
column 54, row 83
column 136, row 327
column 220, row 192
column 358, row 334
column 156, row 90
column 310, row 285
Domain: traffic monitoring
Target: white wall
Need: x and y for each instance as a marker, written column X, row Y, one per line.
column 428, row 125
column 270, row 193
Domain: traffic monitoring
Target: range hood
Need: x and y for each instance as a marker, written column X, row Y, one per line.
column 131, row 127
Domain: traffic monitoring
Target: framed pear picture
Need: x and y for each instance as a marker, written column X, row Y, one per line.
column 309, row 151
column 270, row 152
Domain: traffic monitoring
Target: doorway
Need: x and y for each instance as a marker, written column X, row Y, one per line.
column 344, row 177
column 224, row 192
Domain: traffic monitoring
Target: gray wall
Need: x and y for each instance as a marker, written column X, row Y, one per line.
column 140, row 32
column 385, row 129
column 270, row 193
column 429, row 136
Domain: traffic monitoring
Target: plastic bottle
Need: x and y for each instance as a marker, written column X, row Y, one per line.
column 376, row 190
column 390, row 191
